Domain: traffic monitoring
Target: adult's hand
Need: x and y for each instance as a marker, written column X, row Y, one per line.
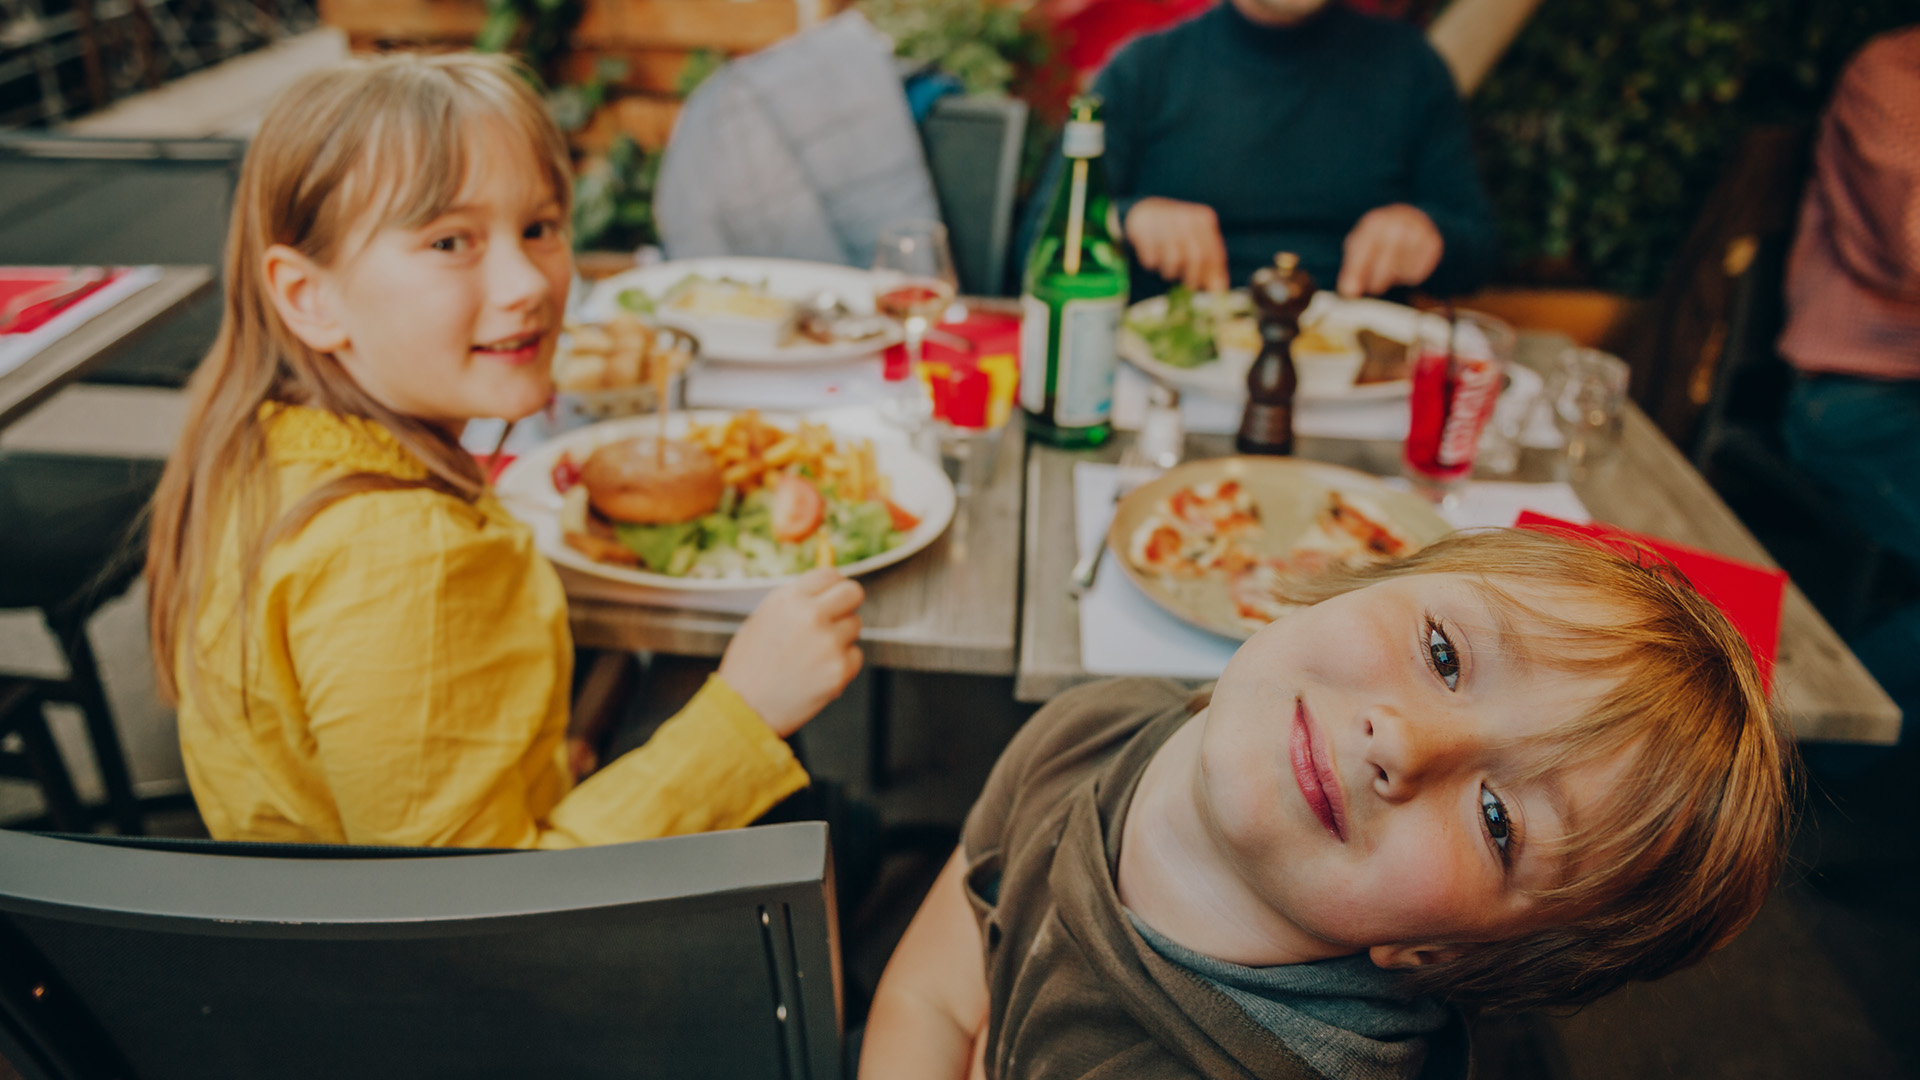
column 1390, row 245
column 1180, row 241
column 796, row 652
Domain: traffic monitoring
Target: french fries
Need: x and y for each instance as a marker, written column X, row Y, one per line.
column 752, row 453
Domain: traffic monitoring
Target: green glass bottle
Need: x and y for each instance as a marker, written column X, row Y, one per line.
column 1073, row 297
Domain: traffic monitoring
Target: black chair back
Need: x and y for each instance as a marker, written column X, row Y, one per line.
column 712, row 955
column 973, row 152
column 75, row 200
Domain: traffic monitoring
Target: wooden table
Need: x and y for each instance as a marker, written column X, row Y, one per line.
column 1648, row 486
column 95, row 341
column 952, row 607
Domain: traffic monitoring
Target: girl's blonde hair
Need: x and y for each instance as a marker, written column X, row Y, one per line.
column 343, row 152
column 1678, row 856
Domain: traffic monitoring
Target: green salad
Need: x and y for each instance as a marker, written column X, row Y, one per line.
column 769, row 533
column 1184, row 335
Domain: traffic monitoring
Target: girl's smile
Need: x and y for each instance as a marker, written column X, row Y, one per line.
column 515, row 351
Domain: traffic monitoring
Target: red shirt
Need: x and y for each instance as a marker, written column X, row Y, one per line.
column 1853, row 283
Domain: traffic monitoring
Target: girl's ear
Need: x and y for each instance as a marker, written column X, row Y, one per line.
column 295, row 283
column 1401, row 957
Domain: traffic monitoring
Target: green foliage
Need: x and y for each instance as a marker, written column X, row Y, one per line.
column 1606, row 125
column 700, row 64
column 985, row 44
column 613, row 199
column 535, row 29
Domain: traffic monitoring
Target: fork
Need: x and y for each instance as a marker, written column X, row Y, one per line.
column 1134, row 471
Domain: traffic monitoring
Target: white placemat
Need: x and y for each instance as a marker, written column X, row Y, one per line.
column 1209, row 414
column 795, row 389
column 17, row 349
column 1122, row 632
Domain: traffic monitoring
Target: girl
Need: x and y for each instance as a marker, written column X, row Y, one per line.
column 364, row 647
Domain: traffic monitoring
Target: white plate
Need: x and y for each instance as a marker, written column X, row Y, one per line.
column 1228, row 377
column 747, row 341
column 920, row 487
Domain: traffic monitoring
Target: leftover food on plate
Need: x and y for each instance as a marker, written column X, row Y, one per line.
column 619, row 353
column 1197, row 328
column 742, row 499
column 816, row 320
column 1386, row 359
column 1214, row 531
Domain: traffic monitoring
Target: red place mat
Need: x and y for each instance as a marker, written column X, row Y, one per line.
column 19, row 281
column 1750, row 596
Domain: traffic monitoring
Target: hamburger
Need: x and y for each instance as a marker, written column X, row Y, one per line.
column 643, row 481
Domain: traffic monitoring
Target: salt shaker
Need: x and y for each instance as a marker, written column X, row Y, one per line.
column 1162, row 439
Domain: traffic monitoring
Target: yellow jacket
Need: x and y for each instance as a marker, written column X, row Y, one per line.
column 407, row 681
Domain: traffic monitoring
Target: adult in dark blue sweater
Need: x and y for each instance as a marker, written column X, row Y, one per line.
column 1291, row 125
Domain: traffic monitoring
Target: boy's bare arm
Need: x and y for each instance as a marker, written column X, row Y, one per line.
column 931, row 1005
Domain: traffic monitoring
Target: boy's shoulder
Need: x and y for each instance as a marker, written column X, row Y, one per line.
column 1063, row 743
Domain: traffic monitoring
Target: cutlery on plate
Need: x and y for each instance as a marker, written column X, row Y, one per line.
column 1133, row 471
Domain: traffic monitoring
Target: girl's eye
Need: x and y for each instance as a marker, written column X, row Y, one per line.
column 1441, row 656
column 543, row 230
column 1493, row 813
column 454, row 244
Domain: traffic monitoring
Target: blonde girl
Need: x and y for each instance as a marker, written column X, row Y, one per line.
column 364, row 647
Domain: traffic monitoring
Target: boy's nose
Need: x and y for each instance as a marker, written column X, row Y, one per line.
column 1406, row 751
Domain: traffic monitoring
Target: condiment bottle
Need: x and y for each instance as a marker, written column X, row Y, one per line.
column 1281, row 293
column 1074, row 294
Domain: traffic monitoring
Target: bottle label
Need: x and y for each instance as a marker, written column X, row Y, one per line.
column 1089, row 353
column 1035, row 320
column 1084, row 139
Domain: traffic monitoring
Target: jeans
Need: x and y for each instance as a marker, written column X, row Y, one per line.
column 1861, row 439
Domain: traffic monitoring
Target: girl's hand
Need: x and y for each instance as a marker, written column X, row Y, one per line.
column 797, row 651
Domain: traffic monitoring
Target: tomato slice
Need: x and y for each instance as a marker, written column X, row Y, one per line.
column 566, row 473
column 902, row 521
column 797, row 509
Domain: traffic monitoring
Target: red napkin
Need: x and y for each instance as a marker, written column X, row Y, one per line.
column 19, row 281
column 1748, row 595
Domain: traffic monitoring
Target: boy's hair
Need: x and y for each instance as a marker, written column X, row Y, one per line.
column 1678, row 856
column 342, row 152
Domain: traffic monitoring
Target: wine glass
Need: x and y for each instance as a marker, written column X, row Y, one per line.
column 1588, row 389
column 913, row 280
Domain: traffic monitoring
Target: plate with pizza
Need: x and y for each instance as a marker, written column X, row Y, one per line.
column 1216, row 542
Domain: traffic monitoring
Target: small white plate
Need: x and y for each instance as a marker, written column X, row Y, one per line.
column 1227, row 376
column 920, row 487
column 749, row 341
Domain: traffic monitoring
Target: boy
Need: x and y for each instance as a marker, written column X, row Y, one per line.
column 1511, row 770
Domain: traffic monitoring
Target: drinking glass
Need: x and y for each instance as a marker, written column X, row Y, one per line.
column 913, row 280
column 1458, row 366
column 1588, row 391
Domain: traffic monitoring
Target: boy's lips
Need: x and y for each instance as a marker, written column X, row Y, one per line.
column 1314, row 773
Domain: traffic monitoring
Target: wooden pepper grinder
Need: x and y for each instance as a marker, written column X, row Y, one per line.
column 1281, row 293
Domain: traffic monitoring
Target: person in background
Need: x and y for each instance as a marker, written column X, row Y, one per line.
column 1290, row 125
column 365, row 647
column 1853, row 324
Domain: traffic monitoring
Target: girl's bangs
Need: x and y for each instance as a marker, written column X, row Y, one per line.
column 416, row 160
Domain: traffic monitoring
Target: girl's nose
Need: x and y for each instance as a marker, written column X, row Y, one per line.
column 516, row 281
column 1406, row 751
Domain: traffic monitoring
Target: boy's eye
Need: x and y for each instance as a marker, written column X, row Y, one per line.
column 1494, row 813
column 454, row 244
column 543, row 230
column 1442, row 657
